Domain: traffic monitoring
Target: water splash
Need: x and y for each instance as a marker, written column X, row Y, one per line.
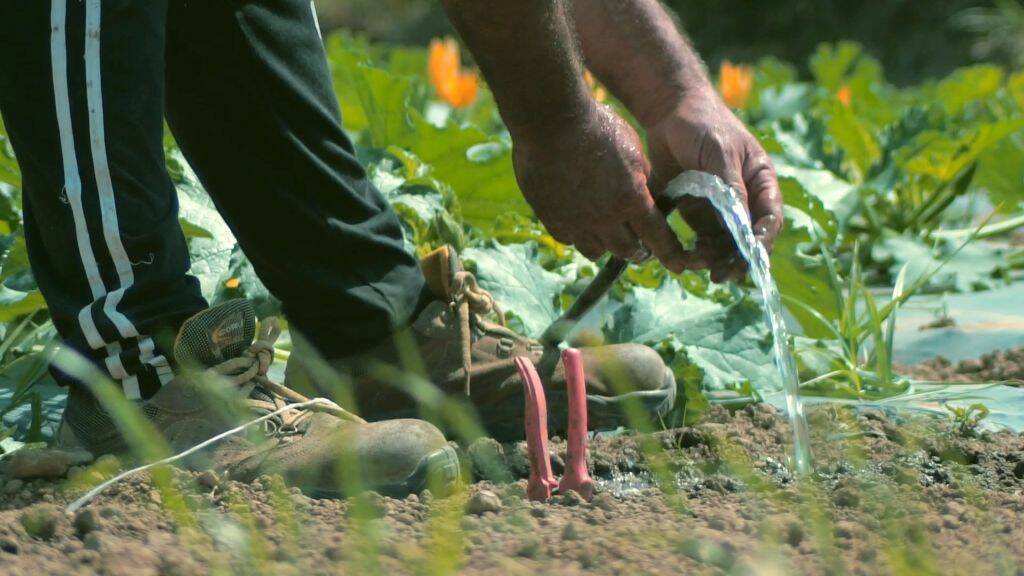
column 737, row 220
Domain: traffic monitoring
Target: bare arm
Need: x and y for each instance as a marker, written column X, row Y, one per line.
column 527, row 52
column 639, row 52
column 580, row 167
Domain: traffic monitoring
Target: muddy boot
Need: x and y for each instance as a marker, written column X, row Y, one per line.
column 464, row 353
column 222, row 383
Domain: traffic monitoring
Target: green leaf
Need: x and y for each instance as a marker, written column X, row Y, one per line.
column 485, row 186
column 10, row 172
column 15, row 303
column 854, row 138
column 977, row 266
column 1015, row 86
column 810, row 206
column 944, row 157
column 1001, row 174
column 770, row 72
column 728, row 342
column 15, row 258
column 804, row 279
column 968, row 85
column 830, row 63
column 517, row 281
column 477, row 166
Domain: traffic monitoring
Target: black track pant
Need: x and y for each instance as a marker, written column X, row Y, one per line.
column 85, row 86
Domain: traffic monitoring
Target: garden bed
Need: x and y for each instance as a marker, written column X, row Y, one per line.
column 889, row 495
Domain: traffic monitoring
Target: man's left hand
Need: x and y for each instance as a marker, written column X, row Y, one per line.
column 701, row 133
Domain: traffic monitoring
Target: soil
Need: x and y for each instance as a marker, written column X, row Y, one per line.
column 1001, row 365
column 889, row 495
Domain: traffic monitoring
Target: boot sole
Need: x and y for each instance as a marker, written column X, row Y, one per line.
column 607, row 411
column 439, row 471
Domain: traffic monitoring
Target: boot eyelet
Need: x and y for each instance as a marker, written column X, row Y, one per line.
column 505, row 346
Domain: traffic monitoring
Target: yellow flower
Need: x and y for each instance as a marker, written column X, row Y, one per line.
column 845, row 96
column 735, row 82
column 232, row 283
column 454, row 85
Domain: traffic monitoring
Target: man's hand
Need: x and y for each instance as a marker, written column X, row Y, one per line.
column 586, row 180
column 639, row 52
column 701, row 133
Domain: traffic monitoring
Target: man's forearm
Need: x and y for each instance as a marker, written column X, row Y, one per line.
column 638, row 51
column 528, row 55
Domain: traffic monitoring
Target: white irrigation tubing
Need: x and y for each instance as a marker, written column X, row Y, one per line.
column 88, row 496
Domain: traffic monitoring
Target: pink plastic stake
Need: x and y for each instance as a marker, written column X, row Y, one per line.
column 541, row 481
column 576, row 476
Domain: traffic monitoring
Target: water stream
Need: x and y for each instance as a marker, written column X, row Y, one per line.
column 737, row 220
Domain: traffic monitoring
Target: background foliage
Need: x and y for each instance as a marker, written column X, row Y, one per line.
column 880, row 181
column 914, row 40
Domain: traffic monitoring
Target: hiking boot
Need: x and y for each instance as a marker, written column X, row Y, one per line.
column 464, row 353
column 221, row 383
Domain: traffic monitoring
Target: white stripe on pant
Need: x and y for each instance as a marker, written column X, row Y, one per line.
column 108, row 208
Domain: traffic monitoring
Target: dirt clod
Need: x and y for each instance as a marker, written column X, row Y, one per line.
column 604, row 500
column 1018, row 469
column 40, row 521
column 846, row 497
column 86, row 521
column 9, row 545
column 13, row 486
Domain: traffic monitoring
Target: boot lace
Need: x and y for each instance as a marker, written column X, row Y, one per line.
column 248, row 372
column 469, row 301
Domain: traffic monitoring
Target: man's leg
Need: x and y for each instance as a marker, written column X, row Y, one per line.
column 250, row 102
column 81, row 92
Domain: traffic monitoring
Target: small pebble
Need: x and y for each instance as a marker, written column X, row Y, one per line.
column 483, row 501
column 208, row 479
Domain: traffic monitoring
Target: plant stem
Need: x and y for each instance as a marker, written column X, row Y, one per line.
column 996, row 229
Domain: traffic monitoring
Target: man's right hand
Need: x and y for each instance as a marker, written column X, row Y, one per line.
column 586, row 179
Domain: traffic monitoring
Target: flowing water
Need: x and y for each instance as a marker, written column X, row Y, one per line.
column 737, row 220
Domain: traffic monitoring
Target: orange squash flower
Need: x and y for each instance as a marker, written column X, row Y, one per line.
column 735, row 82
column 845, row 96
column 457, row 87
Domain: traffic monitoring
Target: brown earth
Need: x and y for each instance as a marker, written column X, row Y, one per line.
column 993, row 367
column 889, row 496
